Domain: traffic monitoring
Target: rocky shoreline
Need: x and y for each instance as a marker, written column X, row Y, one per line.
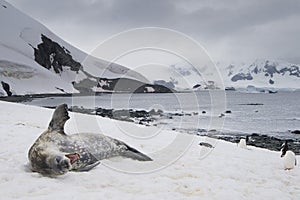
column 153, row 118
column 150, row 118
column 265, row 141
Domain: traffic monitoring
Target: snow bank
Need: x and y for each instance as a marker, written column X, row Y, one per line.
column 227, row 172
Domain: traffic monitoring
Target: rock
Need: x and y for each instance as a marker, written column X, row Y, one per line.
column 205, row 144
column 104, row 112
column 154, row 112
column 228, row 111
column 6, row 88
column 50, row 54
column 241, row 76
column 196, row 86
column 296, row 132
column 229, row 88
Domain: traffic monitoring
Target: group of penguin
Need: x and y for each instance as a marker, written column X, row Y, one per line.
column 288, row 157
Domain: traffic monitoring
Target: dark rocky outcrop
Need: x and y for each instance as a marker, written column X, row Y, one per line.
column 6, row 88
column 125, row 85
column 196, row 86
column 168, row 84
column 296, row 132
column 50, row 54
column 241, row 76
column 141, row 116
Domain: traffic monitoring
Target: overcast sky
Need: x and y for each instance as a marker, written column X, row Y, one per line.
column 228, row 29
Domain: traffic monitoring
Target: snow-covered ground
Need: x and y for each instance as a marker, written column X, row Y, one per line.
column 181, row 168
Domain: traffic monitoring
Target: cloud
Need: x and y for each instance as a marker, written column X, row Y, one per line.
column 231, row 29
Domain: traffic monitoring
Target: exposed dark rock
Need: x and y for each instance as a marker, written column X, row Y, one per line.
column 296, row 132
column 196, row 86
column 271, row 82
column 84, row 86
column 270, row 69
column 178, row 114
column 228, row 111
column 251, row 104
column 168, row 84
column 205, row 144
column 221, row 115
column 241, row 76
column 156, row 112
column 50, row 54
column 142, row 116
column 126, row 85
column 203, row 112
column 104, row 112
column 6, row 88
column 256, row 70
column 60, row 89
column 229, row 88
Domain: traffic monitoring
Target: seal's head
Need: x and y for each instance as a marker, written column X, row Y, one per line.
column 59, row 164
column 52, row 164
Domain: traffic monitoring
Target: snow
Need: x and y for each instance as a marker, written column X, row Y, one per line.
column 181, row 168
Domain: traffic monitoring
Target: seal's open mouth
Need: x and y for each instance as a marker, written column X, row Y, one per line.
column 73, row 157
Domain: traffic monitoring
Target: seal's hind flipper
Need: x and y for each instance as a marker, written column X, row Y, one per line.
column 59, row 118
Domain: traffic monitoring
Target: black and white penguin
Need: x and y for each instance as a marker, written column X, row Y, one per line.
column 243, row 142
column 288, row 157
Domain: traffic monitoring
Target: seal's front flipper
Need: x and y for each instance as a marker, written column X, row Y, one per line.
column 88, row 167
column 135, row 154
column 59, row 118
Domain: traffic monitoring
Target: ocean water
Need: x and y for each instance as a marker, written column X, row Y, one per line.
column 197, row 112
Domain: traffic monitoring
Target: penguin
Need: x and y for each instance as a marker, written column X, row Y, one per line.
column 243, row 142
column 288, row 157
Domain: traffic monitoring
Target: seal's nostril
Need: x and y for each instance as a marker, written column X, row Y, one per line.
column 58, row 159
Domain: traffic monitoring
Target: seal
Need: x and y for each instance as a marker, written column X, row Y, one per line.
column 55, row 153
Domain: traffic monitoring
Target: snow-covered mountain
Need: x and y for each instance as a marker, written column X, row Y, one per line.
column 35, row 60
column 260, row 75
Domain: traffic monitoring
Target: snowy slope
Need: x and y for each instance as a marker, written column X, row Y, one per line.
column 20, row 37
column 228, row 172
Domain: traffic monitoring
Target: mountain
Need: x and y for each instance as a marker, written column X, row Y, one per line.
column 34, row 60
column 263, row 73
